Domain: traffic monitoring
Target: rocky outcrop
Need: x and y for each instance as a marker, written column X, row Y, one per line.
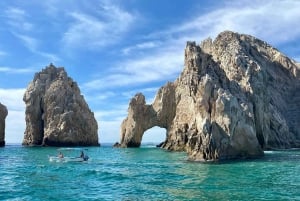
column 3, row 114
column 56, row 112
column 236, row 96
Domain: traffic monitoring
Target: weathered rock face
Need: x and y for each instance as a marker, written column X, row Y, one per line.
column 236, row 96
column 56, row 112
column 3, row 114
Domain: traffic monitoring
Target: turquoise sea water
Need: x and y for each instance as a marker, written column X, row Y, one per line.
column 145, row 173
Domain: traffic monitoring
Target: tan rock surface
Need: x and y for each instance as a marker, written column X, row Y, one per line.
column 236, row 96
column 3, row 114
column 56, row 112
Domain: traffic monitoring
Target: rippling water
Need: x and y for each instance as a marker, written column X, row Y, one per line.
column 146, row 173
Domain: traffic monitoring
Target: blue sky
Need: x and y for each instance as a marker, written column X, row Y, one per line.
column 116, row 48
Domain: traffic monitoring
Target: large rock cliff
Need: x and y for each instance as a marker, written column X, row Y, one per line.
column 56, row 112
column 3, row 114
column 236, row 96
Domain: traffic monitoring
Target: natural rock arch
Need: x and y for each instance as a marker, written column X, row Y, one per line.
column 144, row 116
column 233, row 99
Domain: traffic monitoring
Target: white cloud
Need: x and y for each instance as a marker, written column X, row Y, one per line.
column 15, row 126
column 109, row 122
column 12, row 98
column 109, row 131
column 131, row 93
column 16, row 18
column 116, row 114
column 28, row 41
column 23, row 29
column 263, row 19
column 15, row 70
column 268, row 20
column 99, row 29
column 157, row 67
column 53, row 58
column 163, row 51
column 32, row 44
column 15, row 120
column 141, row 46
column 100, row 97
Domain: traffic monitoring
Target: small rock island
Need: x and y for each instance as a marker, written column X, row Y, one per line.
column 3, row 114
column 236, row 97
column 56, row 113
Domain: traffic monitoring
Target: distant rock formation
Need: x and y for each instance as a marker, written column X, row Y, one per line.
column 56, row 112
column 236, row 96
column 3, row 114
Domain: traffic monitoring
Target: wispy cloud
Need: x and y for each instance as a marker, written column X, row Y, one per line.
column 17, row 18
column 15, row 126
column 20, row 25
column 15, row 121
column 113, row 114
column 157, row 67
column 11, row 70
column 98, row 29
column 109, row 122
column 141, row 46
column 109, row 131
column 263, row 19
column 12, row 98
column 100, row 97
column 28, row 41
column 32, row 44
column 131, row 93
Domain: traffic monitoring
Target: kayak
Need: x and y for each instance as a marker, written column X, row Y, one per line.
column 73, row 155
column 67, row 159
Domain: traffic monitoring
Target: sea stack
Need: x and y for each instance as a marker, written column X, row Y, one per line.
column 3, row 114
column 56, row 113
column 235, row 97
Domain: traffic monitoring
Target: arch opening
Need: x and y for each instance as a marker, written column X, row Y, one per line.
column 154, row 136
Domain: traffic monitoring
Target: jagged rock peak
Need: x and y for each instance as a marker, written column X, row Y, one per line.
column 56, row 113
column 236, row 96
column 3, row 114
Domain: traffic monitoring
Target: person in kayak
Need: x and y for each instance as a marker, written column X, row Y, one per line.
column 60, row 155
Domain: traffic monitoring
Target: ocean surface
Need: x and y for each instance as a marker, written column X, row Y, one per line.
column 145, row 173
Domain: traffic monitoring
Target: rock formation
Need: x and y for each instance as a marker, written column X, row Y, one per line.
column 3, row 114
column 56, row 112
column 236, row 96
